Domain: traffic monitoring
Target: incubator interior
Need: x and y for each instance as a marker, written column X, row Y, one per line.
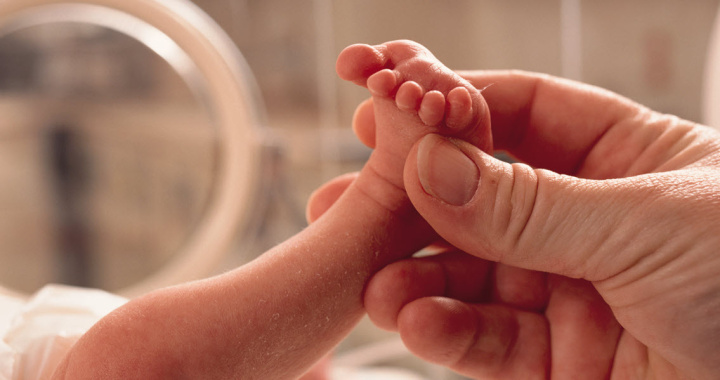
column 109, row 158
column 125, row 147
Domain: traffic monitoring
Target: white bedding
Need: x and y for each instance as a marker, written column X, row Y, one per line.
column 35, row 333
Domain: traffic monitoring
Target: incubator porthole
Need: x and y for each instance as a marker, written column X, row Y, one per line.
column 129, row 154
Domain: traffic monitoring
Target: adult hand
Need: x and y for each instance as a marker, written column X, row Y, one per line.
column 601, row 258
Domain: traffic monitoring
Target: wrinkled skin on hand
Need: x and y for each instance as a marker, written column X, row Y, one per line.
column 596, row 256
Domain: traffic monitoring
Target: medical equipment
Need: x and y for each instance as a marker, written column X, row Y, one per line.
column 217, row 77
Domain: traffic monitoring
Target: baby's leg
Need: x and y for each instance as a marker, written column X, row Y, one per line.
column 275, row 317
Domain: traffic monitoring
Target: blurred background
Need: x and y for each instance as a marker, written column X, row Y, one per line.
column 108, row 159
column 651, row 51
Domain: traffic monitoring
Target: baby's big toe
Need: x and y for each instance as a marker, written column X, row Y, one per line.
column 356, row 63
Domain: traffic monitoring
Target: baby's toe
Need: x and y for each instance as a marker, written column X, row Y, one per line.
column 432, row 108
column 459, row 108
column 382, row 83
column 409, row 96
column 356, row 63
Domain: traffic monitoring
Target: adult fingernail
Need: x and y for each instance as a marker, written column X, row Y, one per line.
column 445, row 172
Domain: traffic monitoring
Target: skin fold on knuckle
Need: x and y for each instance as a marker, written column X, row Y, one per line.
column 514, row 205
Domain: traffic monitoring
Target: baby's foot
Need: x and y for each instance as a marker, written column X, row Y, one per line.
column 414, row 94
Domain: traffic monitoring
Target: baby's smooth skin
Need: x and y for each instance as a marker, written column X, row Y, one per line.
column 276, row 316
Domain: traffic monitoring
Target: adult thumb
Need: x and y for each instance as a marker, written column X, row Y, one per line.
column 529, row 218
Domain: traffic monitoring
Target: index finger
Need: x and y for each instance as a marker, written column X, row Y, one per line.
column 550, row 122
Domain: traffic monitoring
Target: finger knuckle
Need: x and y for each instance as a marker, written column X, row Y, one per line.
column 515, row 204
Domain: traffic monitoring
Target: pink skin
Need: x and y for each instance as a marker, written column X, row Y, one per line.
column 410, row 87
column 276, row 316
column 615, row 273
